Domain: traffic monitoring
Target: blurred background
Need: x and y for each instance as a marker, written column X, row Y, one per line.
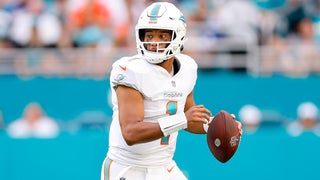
column 258, row 59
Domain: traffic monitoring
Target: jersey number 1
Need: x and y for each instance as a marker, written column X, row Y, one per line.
column 171, row 110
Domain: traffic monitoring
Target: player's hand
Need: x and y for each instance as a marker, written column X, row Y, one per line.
column 239, row 124
column 197, row 114
column 239, row 127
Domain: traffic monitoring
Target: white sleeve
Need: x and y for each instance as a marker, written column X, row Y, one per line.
column 122, row 75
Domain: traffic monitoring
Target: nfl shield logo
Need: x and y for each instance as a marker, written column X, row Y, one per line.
column 173, row 83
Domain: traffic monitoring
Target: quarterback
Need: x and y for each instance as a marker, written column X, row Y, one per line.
column 152, row 97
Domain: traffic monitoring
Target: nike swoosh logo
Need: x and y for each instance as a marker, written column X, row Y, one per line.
column 169, row 170
column 123, row 67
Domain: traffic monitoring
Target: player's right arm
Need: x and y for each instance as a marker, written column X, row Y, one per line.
column 131, row 116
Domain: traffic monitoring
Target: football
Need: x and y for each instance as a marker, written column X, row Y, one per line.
column 223, row 136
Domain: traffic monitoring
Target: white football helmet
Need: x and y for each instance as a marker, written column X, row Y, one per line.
column 161, row 15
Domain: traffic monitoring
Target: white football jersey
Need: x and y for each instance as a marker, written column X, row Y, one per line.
column 163, row 94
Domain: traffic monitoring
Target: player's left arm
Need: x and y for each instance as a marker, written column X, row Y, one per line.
column 197, row 115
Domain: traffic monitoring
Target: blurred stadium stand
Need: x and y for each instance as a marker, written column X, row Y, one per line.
column 54, row 38
column 227, row 53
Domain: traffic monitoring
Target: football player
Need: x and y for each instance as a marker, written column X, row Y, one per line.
column 152, row 97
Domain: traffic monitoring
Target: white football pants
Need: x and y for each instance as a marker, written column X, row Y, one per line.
column 112, row 170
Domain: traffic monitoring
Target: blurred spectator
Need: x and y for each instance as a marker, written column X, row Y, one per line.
column 294, row 45
column 33, row 26
column 251, row 117
column 239, row 19
column 194, row 10
column 294, row 40
column 268, row 18
column 296, row 55
column 33, row 123
column 229, row 28
column 292, row 13
column 93, row 22
column 4, row 26
column 59, row 9
column 307, row 120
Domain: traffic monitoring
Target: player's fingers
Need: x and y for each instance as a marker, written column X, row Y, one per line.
column 208, row 112
column 205, row 110
column 198, row 119
column 211, row 118
column 203, row 117
column 240, row 127
column 206, row 115
column 196, row 114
